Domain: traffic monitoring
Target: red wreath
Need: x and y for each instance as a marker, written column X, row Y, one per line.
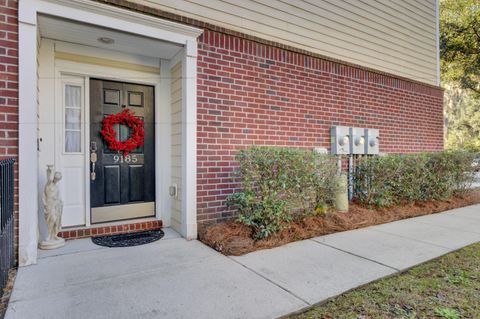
column 126, row 117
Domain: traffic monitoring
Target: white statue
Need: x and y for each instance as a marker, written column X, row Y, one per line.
column 53, row 208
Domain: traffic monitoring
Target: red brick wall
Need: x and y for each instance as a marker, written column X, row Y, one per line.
column 9, row 87
column 251, row 93
column 8, row 78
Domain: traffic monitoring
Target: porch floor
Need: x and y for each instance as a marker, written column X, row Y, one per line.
column 175, row 278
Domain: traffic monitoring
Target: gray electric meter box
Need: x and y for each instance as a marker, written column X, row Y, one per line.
column 372, row 141
column 357, row 140
column 340, row 140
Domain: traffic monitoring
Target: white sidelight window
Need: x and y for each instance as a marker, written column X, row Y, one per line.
column 70, row 148
column 73, row 104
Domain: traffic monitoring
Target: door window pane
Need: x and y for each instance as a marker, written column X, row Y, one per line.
column 73, row 142
column 73, row 118
column 73, row 96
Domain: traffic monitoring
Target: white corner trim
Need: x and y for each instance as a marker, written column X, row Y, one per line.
column 189, row 142
column 27, row 145
column 163, row 146
column 191, row 48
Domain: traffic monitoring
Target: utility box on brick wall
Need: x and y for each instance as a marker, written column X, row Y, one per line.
column 372, row 141
column 340, row 140
column 357, row 140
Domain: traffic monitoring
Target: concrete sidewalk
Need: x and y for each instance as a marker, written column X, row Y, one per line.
column 174, row 278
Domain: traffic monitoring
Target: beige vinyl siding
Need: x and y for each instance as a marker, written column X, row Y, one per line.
column 176, row 100
column 398, row 37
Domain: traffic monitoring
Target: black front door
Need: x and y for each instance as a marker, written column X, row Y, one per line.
column 123, row 187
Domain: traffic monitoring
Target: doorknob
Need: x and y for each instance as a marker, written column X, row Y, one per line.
column 93, row 159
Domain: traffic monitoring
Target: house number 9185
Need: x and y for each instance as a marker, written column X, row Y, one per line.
column 125, row 159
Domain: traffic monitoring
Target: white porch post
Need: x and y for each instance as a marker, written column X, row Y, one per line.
column 163, row 155
column 189, row 141
column 27, row 118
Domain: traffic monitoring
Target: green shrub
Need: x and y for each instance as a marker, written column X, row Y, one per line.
column 391, row 179
column 277, row 183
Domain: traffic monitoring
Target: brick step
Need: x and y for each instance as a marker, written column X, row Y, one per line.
column 110, row 229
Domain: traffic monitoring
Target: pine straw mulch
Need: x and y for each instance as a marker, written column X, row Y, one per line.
column 233, row 238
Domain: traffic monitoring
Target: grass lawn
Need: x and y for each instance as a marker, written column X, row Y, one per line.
column 448, row 287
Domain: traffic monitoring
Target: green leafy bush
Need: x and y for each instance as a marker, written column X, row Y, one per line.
column 391, row 179
column 277, row 183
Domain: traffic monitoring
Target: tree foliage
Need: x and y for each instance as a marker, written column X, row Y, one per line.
column 462, row 116
column 460, row 43
column 460, row 71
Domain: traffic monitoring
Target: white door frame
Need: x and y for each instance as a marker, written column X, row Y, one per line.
column 107, row 16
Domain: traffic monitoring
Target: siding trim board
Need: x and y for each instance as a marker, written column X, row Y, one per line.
column 269, row 43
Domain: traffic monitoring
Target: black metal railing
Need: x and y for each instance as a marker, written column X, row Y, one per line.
column 7, row 223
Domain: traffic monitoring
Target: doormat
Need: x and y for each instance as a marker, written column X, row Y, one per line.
column 130, row 239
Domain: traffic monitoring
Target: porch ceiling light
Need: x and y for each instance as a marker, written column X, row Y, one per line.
column 106, row 40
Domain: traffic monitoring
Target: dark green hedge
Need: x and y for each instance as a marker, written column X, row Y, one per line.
column 280, row 182
column 392, row 179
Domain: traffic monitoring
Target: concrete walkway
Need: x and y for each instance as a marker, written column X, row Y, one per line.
column 174, row 278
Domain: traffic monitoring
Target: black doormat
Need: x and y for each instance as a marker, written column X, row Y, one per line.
column 130, row 239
